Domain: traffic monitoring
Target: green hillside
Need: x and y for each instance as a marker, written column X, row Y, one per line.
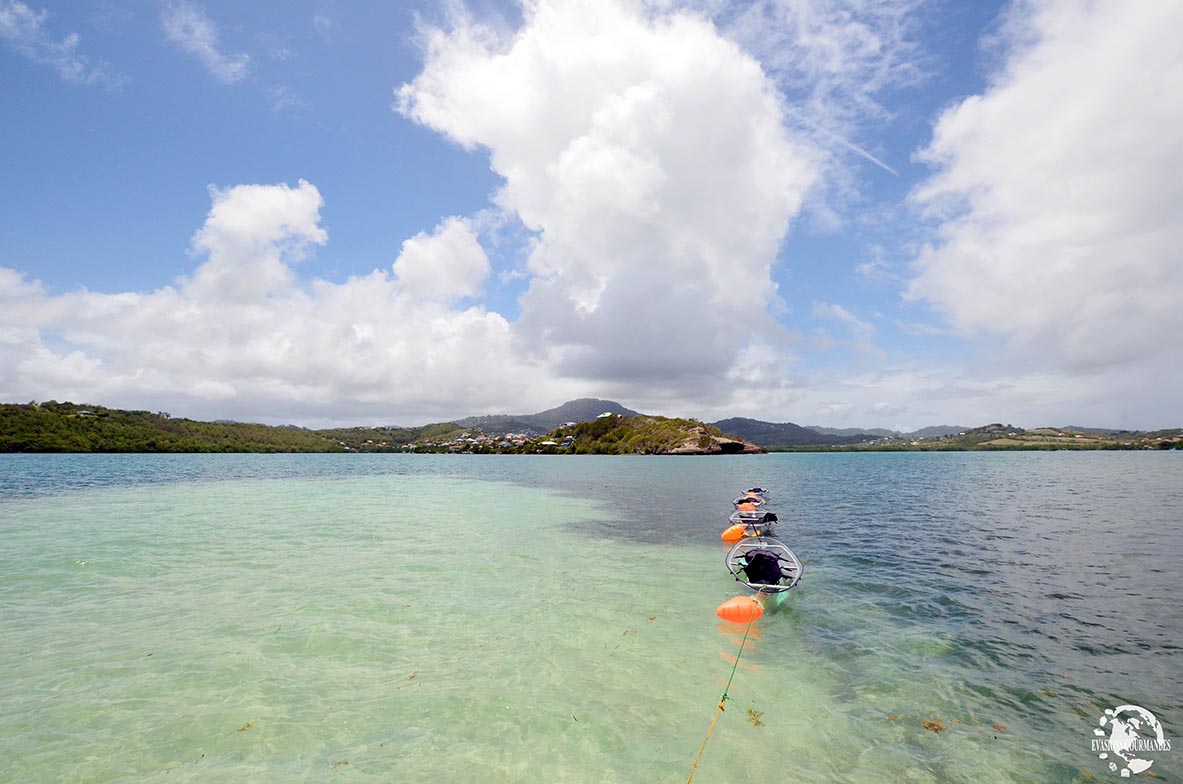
column 70, row 427
column 647, row 435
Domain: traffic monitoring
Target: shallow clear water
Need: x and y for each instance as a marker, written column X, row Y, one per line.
column 449, row 618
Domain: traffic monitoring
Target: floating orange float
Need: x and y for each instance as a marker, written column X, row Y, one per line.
column 740, row 609
column 735, row 533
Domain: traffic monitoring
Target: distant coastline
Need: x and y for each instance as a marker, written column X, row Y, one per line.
column 54, row 427
column 586, row 426
column 1007, row 438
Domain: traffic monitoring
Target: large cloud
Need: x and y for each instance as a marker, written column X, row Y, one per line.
column 244, row 336
column 1060, row 191
column 650, row 157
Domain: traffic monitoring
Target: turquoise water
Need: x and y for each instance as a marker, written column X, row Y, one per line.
column 551, row 619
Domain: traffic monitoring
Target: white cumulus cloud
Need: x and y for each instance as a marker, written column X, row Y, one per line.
column 1058, row 191
column 244, row 336
column 445, row 266
column 650, row 157
column 252, row 235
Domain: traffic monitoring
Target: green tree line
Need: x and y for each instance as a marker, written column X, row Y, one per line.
column 70, row 427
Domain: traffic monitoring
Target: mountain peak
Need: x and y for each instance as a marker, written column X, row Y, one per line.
column 584, row 409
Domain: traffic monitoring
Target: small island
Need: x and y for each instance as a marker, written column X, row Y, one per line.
column 649, row 435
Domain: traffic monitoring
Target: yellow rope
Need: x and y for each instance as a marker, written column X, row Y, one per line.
column 722, row 700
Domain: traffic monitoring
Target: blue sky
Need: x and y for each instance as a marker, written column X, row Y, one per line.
column 915, row 213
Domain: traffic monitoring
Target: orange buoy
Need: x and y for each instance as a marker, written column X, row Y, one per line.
column 734, row 533
column 740, row 609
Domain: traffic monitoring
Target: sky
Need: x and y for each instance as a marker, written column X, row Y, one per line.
column 894, row 214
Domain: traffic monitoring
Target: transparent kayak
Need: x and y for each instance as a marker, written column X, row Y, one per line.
column 764, row 564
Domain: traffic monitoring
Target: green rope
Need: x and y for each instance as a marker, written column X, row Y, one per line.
column 735, row 666
column 722, row 700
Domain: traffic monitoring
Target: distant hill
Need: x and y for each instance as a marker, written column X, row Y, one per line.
column 934, row 431
column 938, row 431
column 585, row 409
column 998, row 436
column 783, row 433
column 649, row 435
column 852, row 431
column 1079, row 429
column 72, row 427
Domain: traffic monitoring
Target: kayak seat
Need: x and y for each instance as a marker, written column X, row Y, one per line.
column 762, row 567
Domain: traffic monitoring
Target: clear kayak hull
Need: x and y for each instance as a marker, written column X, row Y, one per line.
column 764, row 564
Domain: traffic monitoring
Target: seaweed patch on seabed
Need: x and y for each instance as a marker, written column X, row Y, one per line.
column 754, row 717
